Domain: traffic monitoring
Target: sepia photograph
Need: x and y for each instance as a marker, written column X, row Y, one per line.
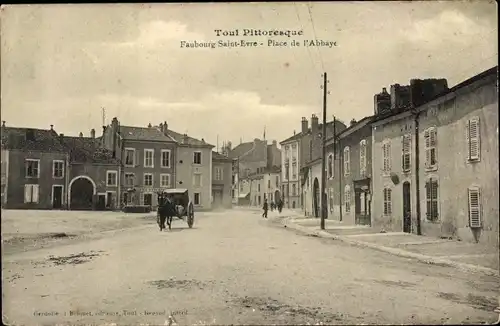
column 266, row 163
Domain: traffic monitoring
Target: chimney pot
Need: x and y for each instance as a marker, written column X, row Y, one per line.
column 384, row 90
column 81, row 134
column 51, row 127
column 92, row 133
column 3, row 123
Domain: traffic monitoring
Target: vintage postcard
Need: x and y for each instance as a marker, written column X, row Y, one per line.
column 291, row 163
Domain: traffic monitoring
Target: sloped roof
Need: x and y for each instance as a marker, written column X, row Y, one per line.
column 190, row 140
column 301, row 134
column 241, row 149
column 87, row 150
column 146, row 134
column 219, row 157
column 43, row 140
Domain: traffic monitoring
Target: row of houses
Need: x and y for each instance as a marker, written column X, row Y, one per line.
column 256, row 174
column 425, row 162
column 125, row 166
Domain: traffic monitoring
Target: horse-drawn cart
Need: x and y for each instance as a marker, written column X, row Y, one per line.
column 182, row 206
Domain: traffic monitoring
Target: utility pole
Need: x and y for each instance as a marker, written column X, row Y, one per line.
column 323, row 156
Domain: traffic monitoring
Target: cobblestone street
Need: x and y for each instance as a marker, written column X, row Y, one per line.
column 233, row 267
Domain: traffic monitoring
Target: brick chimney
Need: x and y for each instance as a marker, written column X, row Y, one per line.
column 314, row 123
column 185, row 139
column 80, row 134
column 382, row 102
column 92, row 133
column 164, row 127
column 422, row 91
column 51, row 127
column 353, row 122
column 304, row 125
column 61, row 137
column 400, row 96
column 3, row 123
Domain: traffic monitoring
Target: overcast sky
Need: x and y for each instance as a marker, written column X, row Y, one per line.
column 60, row 64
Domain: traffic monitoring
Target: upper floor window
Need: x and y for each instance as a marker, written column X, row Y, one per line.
column 32, row 168
column 149, row 158
column 473, row 140
column 294, row 189
column 330, row 166
column 258, row 187
column 268, row 184
column 218, row 173
column 197, row 198
column 58, row 169
column 164, row 180
column 431, row 195
column 347, row 198
column 387, row 201
column 406, row 153
column 129, row 179
column 386, row 151
column 165, row 158
column 111, row 178
column 197, row 158
column 277, row 182
column 362, row 158
column 430, row 137
column 347, row 159
column 148, row 179
column 130, row 157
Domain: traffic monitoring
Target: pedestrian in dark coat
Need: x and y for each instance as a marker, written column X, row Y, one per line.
column 265, row 208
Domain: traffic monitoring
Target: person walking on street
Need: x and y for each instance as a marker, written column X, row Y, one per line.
column 265, row 208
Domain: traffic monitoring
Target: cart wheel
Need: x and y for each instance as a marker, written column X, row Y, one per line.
column 190, row 215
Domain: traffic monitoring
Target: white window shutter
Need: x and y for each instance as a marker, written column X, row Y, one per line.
column 475, row 218
column 389, row 157
column 474, row 139
column 27, row 193
column 35, row 194
column 427, row 148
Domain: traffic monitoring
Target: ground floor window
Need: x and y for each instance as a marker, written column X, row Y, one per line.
column 197, row 198
column 31, row 194
column 347, row 198
column 431, row 192
column 293, row 204
column 387, row 201
column 148, row 199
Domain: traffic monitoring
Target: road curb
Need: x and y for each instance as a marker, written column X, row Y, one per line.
column 289, row 223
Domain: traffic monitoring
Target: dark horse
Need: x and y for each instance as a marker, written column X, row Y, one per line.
column 166, row 211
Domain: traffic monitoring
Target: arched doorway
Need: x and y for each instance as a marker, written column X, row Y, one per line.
column 277, row 196
column 316, row 197
column 82, row 191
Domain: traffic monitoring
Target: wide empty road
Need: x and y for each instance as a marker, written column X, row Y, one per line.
column 234, row 268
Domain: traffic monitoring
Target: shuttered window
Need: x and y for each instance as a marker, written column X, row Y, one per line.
column 330, row 191
column 387, row 201
column 362, row 158
column 475, row 218
column 330, row 166
column 406, row 153
column 430, row 136
column 31, row 193
column 347, row 198
column 386, row 149
column 473, row 139
column 347, row 159
column 431, row 194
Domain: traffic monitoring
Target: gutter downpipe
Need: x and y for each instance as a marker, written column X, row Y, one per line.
column 341, row 174
column 417, row 169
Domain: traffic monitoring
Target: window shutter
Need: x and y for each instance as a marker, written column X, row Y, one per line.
column 27, row 193
column 428, row 198
column 427, row 148
column 389, row 157
column 136, row 158
column 34, row 197
column 475, row 220
column 434, row 199
column 474, row 139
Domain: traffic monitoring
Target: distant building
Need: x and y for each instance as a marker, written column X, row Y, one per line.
column 301, row 152
column 264, row 184
column 248, row 158
column 221, row 181
column 450, row 189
